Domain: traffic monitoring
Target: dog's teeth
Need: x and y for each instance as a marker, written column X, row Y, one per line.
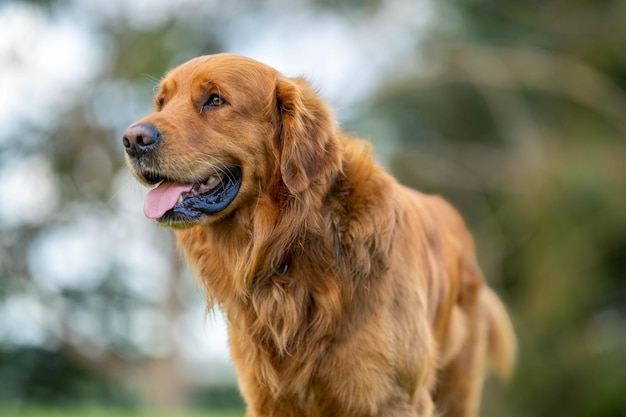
column 180, row 199
column 210, row 182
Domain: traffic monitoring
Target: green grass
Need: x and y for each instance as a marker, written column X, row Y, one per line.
column 113, row 413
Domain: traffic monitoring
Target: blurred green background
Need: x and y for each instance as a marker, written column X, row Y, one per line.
column 514, row 111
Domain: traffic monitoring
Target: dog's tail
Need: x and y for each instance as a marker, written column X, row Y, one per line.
column 501, row 341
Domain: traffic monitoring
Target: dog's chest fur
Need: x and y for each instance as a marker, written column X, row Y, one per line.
column 284, row 324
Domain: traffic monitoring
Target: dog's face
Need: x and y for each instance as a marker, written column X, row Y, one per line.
column 225, row 130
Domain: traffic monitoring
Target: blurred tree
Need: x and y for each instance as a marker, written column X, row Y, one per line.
column 65, row 261
column 515, row 113
column 518, row 119
column 41, row 377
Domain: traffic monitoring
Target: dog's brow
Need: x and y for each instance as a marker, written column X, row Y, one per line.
column 208, row 84
column 167, row 87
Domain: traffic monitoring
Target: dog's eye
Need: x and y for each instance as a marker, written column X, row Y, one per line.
column 215, row 100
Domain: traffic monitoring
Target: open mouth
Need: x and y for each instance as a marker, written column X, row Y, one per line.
column 175, row 202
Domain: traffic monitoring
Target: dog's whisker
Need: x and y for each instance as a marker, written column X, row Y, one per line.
column 221, row 167
column 218, row 164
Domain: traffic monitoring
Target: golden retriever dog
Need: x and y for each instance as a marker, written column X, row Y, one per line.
column 346, row 293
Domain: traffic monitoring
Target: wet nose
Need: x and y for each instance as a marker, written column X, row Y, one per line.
column 140, row 139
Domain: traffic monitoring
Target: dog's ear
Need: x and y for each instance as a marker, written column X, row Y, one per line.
column 308, row 145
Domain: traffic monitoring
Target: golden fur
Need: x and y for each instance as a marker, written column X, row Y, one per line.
column 382, row 311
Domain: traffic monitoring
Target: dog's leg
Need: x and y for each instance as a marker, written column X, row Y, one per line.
column 281, row 407
column 360, row 378
column 460, row 381
column 396, row 406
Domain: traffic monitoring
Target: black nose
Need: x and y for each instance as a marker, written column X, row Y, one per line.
column 140, row 139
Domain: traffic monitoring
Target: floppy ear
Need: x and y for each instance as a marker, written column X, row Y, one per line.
column 308, row 144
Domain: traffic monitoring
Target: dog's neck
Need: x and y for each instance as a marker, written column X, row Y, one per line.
column 257, row 242
column 263, row 241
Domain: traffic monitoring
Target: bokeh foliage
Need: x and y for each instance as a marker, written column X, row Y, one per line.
column 520, row 122
column 512, row 111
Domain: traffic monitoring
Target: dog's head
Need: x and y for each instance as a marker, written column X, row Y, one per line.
column 225, row 131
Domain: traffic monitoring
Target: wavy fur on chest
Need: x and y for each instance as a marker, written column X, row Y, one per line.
column 290, row 319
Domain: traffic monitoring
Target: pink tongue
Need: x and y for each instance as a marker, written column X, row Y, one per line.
column 159, row 200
